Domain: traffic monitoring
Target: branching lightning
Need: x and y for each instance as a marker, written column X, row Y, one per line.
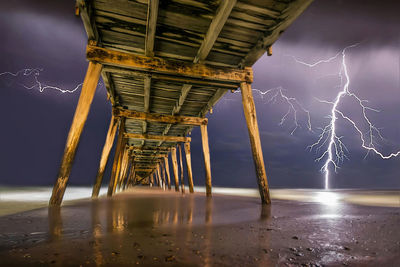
column 36, row 83
column 294, row 106
column 335, row 151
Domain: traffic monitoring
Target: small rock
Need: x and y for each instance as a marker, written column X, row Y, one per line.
column 170, row 258
column 114, row 253
column 346, row 248
column 299, row 254
column 295, row 237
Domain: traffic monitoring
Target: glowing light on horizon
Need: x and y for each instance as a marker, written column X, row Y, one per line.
column 35, row 73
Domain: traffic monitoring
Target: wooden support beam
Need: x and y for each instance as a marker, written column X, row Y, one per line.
column 152, row 13
column 154, row 117
column 175, row 168
column 218, row 22
column 168, row 66
column 112, row 129
column 181, row 165
column 124, row 170
column 249, row 110
column 150, row 148
column 158, row 137
column 179, row 79
column 189, row 167
column 206, row 154
column 74, row 135
column 166, row 165
column 146, row 88
column 118, row 149
column 162, row 169
column 213, row 31
column 159, row 176
column 121, row 168
column 85, row 13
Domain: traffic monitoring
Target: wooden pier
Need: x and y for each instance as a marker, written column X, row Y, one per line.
column 165, row 64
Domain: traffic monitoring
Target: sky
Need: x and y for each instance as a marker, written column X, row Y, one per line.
column 49, row 36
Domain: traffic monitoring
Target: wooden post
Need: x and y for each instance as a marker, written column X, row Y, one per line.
column 151, row 178
column 116, row 157
column 112, row 129
column 119, row 166
column 78, row 122
column 206, row 154
column 175, row 168
column 160, row 183
column 163, row 174
column 189, row 167
column 181, row 165
column 249, row 110
column 166, row 164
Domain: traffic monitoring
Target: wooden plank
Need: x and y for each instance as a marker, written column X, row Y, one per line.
column 116, row 157
column 189, row 167
column 206, row 154
column 152, row 13
column 268, row 38
column 166, row 165
column 164, row 66
column 104, row 155
column 175, row 168
column 158, row 137
column 154, row 117
column 124, row 162
column 74, row 135
column 249, row 110
column 214, row 29
column 152, row 149
column 181, row 165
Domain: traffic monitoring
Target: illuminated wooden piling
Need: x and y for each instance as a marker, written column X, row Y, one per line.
column 249, row 110
column 189, row 167
column 175, row 168
column 104, row 155
column 206, row 155
column 74, row 135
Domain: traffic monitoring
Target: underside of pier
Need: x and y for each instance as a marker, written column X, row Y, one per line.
column 165, row 64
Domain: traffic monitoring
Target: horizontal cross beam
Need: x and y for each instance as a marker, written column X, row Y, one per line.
column 144, row 170
column 153, row 117
column 168, row 66
column 164, row 138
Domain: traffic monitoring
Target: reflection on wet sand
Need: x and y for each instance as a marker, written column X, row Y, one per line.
column 154, row 227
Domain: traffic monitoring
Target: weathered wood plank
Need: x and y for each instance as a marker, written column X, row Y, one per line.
column 206, row 154
column 152, row 13
column 189, row 167
column 158, row 137
column 249, row 110
column 78, row 122
column 172, row 67
column 287, row 17
column 214, row 29
column 104, row 155
column 153, row 117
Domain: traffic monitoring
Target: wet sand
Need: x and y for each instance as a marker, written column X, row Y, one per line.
column 152, row 227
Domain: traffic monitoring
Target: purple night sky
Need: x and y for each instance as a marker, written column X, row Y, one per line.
column 48, row 35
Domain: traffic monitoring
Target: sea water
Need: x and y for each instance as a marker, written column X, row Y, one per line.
column 17, row 199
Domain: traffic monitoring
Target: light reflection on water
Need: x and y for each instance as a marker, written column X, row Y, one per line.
column 330, row 198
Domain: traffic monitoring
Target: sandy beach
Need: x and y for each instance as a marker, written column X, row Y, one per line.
column 152, row 227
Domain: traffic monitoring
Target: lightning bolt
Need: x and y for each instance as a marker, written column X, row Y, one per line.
column 35, row 73
column 335, row 151
column 294, row 107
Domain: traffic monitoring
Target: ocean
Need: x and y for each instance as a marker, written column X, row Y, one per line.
column 15, row 199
